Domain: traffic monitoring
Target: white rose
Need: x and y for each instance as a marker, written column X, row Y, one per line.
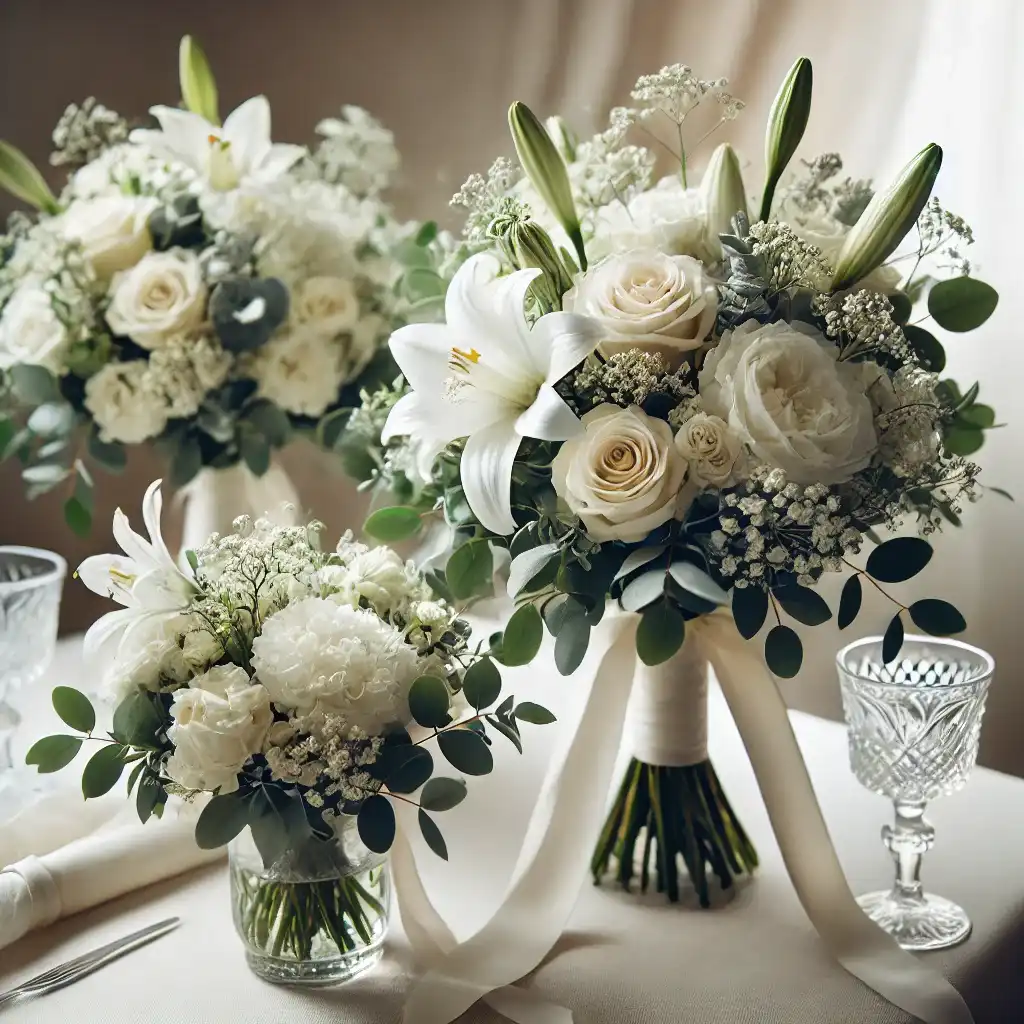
column 714, row 452
column 828, row 233
column 220, row 721
column 622, row 476
column 200, row 648
column 123, row 405
column 112, row 230
column 787, row 397
column 328, row 303
column 667, row 217
column 378, row 575
column 30, row 331
column 163, row 294
column 647, row 300
column 298, row 370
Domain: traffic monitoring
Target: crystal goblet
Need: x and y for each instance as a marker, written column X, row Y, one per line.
column 914, row 726
column 30, row 589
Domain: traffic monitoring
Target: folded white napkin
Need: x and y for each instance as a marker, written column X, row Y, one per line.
column 121, row 856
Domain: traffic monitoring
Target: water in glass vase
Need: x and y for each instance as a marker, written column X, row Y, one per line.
column 317, row 916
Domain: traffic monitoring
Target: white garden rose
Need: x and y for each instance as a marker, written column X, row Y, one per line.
column 113, row 231
column 786, row 396
column 622, row 476
column 380, row 576
column 645, row 299
column 328, row 303
column 318, row 655
column 30, row 330
column 122, row 403
column 712, row 449
column 298, row 370
column 668, row 218
column 219, row 721
column 161, row 296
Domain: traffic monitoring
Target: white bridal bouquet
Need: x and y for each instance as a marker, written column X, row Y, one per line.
column 666, row 403
column 304, row 690
column 194, row 284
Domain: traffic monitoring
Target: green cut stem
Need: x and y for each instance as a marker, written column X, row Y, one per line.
column 687, row 824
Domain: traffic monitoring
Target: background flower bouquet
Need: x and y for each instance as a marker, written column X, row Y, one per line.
column 196, row 285
column 304, row 689
column 649, row 396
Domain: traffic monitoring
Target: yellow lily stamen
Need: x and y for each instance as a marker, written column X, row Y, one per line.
column 462, row 360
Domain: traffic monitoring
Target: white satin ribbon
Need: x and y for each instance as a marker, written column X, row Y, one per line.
column 567, row 817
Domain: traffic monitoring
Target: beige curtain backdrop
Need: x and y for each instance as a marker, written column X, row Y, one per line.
column 889, row 78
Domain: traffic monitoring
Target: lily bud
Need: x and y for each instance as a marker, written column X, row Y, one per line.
column 722, row 190
column 887, row 219
column 546, row 170
column 531, row 246
column 21, row 177
column 786, row 123
column 198, row 88
column 564, row 138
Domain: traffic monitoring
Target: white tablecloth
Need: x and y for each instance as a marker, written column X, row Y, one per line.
column 625, row 959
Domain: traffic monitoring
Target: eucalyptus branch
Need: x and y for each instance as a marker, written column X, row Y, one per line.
column 860, row 572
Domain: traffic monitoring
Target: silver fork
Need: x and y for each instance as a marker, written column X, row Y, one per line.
column 66, row 973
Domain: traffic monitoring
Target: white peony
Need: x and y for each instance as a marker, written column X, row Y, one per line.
column 30, row 330
column 712, row 449
column 329, row 304
column 219, row 722
column 622, row 476
column 647, row 300
column 120, row 401
column 162, row 295
column 787, row 397
column 828, row 233
column 316, row 654
column 667, row 217
column 298, row 370
column 113, row 231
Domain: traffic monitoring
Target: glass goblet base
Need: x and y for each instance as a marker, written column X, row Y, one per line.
column 920, row 923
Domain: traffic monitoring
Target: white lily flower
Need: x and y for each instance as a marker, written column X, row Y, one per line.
column 225, row 156
column 145, row 580
column 487, row 376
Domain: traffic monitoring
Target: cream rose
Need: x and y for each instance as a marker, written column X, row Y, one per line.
column 112, row 230
column 219, row 721
column 123, row 404
column 712, row 449
column 645, row 299
column 162, row 295
column 328, row 303
column 622, row 476
column 667, row 217
column 30, row 330
column 787, row 397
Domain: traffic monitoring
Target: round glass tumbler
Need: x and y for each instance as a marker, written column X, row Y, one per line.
column 913, row 732
column 30, row 589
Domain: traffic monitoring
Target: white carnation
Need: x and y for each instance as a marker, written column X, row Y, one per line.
column 120, row 401
column 299, row 370
column 342, row 660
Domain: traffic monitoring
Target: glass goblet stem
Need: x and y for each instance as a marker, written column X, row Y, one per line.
column 909, row 838
column 9, row 721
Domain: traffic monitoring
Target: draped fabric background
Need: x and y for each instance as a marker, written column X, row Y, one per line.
column 889, row 77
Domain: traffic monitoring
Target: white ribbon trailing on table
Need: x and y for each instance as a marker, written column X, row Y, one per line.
column 556, row 851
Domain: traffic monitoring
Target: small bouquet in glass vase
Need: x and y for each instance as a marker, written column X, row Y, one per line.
column 194, row 285
column 299, row 692
column 668, row 399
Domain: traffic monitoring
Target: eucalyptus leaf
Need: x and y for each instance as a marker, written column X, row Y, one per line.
column 850, row 601
column 255, row 451
column 52, row 753
column 899, row 559
column 644, row 590
column 45, row 473
column 927, row 348
column 660, row 633
column 963, row 440
column 522, row 636
column 572, row 639
column 34, row 385
column 186, row 461
column 102, row 770
column 470, row 568
column 749, row 610
column 638, row 558
column 892, row 641
column 74, row 708
column 52, row 419
column 527, row 565
column 393, row 524
column 481, row 685
column 901, row 307
column 978, row 415
column 148, row 797
column 803, row 604
column 962, row 303
column 432, row 834
column 270, row 421
column 442, row 794
column 277, row 822
column 137, row 721
column 783, row 651
column 695, row 580
column 110, row 455
column 508, row 728
column 429, row 701
column 534, row 714
column 939, row 618
column 415, row 765
column 466, row 751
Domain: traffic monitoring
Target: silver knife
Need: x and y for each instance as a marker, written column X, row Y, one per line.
column 66, row 973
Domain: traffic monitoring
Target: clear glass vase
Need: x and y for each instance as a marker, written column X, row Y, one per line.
column 318, row 915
